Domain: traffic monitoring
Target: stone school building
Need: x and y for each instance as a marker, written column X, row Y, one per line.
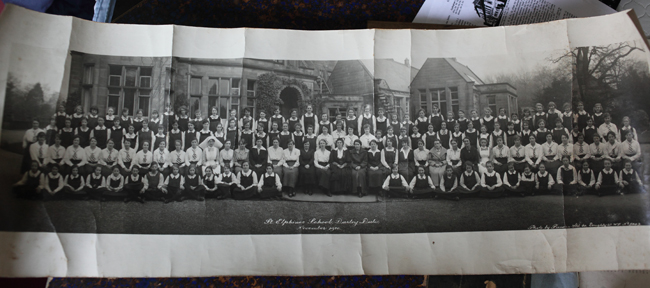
column 452, row 86
column 151, row 83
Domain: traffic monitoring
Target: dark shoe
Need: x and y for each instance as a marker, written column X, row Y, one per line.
column 200, row 198
column 457, row 198
column 329, row 194
column 126, row 200
column 141, row 200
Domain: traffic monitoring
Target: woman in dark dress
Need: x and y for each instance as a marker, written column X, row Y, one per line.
column 340, row 172
column 258, row 157
column 358, row 162
column 307, row 171
column 375, row 171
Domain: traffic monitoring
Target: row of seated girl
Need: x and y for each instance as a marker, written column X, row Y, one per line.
column 152, row 186
column 568, row 181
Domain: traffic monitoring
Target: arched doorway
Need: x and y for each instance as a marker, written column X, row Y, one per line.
column 290, row 97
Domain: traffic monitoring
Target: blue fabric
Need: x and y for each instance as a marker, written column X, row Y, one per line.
column 36, row 5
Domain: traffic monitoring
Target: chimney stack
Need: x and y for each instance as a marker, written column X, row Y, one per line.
column 407, row 62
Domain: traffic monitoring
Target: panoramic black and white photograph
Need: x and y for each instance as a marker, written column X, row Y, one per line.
column 172, row 145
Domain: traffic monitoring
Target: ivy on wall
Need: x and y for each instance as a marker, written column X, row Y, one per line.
column 269, row 86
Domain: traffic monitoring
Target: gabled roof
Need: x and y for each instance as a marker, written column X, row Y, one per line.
column 397, row 75
column 464, row 71
column 351, row 77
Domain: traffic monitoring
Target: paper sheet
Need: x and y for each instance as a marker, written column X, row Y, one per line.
column 80, row 238
column 502, row 13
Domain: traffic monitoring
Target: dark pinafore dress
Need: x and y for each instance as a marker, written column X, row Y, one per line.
column 422, row 124
column 189, row 137
column 567, row 121
column 268, row 187
column 248, row 137
column 469, row 181
column 50, row 134
column 214, row 121
column 232, row 134
column 277, row 120
column 84, row 137
column 159, row 139
column 540, row 138
column 137, row 124
column 503, row 123
column 195, row 192
column 444, row 139
column 168, row 120
column 382, row 125
column 264, row 137
column 299, row 141
column 449, row 184
column 557, row 135
column 174, row 185
column 429, row 139
column 292, row 124
column 395, row 187
column 66, row 137
column 491, row 181
column 436, row 121
column 396, row 126
column 582, row 121
column 238, row 193
column 543, row 183
column 225, row 187
column 550, row 120
column 414, row 140
column 405, row 165
column 284, row 140
column 489, row 124
column 101, row 136
column 512, row 180
column 608, row 185
column 473, row 138
column 75, row 120
column 59, row 119
column 28, row 189
column 272, row 136
column 368, row 121
column 92, row 121
column 309, row 121
column 182, row 122
column 421, row 187
column 116, row 136
column 567, row 177
column 354, row 123
column 145, row 137
column 211, row 183
column 204, row 135
column 173, row 136
column 265, row 125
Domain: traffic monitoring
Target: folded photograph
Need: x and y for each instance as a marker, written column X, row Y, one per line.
column 390, row 151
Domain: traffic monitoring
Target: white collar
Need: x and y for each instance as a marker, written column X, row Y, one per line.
column 175, row 176
column 246, row 173
column 543, row 175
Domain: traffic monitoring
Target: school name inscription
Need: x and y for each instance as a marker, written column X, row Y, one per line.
column 317, row 224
